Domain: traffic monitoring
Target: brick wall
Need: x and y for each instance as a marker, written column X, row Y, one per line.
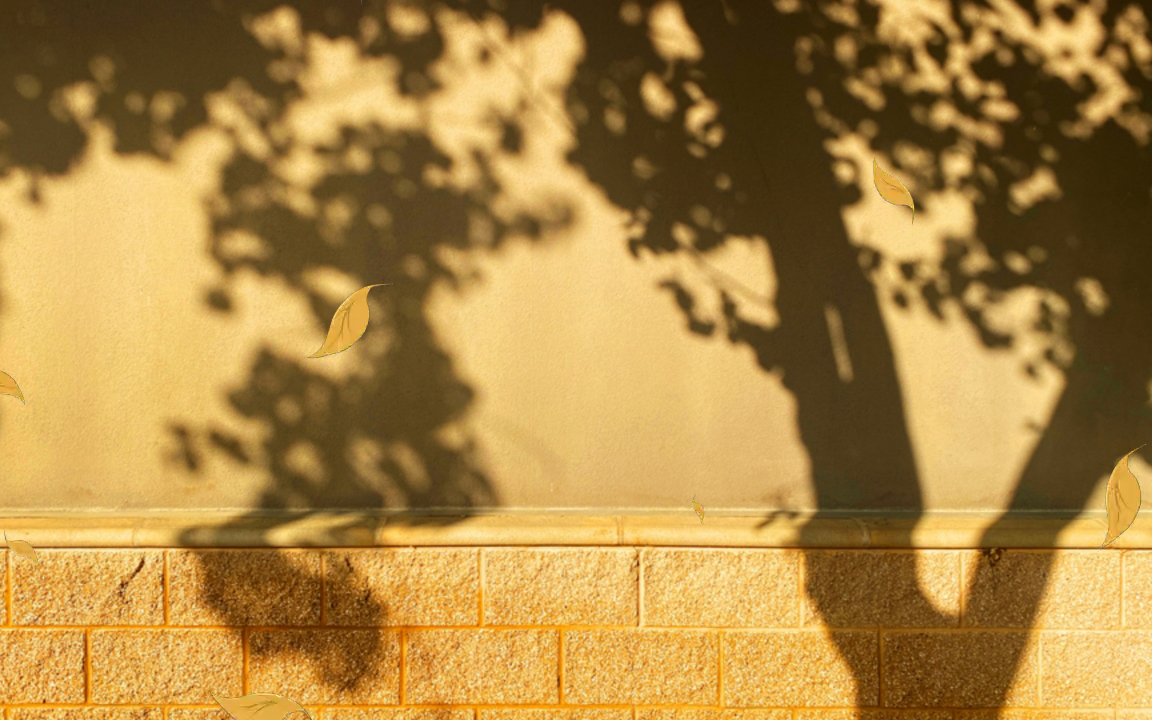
column 604, row 633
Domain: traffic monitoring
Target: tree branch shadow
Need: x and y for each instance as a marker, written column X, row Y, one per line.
column 634, row 104
column 388, row 435
column 704, row 136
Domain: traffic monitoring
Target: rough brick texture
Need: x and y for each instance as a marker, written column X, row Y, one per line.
column 634, row 666
column 590, row 633
column 695, row 588
column 561, row 587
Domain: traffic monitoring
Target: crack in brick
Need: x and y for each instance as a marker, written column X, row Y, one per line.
column 124, row 583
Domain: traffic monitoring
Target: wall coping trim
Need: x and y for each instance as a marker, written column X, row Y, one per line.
column 286, row 530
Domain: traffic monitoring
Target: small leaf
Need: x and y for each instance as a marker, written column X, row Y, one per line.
column 1123, row 499
column 21, row 547
column 259, row 706
column 698, row 508
column 8, row 386
column 892, row 189
column 348, row 324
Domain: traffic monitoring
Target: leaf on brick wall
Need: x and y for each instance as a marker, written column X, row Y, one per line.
column 259, row 706
column 8, row 386
column 1123, row 499
column 892, row 189
column 21, row 547
column 348, row 324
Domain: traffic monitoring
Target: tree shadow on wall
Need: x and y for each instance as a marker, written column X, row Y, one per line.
column 712, row 120
column 704, row 136
column 388, row 435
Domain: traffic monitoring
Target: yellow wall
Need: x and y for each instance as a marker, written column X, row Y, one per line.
column 589, row 391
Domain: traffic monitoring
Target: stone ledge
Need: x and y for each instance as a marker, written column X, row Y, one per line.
column 943, row 531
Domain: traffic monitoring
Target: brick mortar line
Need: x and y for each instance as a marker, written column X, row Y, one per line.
column 87, row 666
column 403, row 679
column 636, row 708
column 560, row 664
column 481, row 581
column 880, row 668
column 720, row 668
column 641, row 706
column 641, row 571
column 962, row 591
column 244, row 653
column 726, row 549
column 323, row 588
column 1135, row 630
column 734, row 546
column 801, row 574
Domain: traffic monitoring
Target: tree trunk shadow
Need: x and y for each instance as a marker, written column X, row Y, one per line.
column 855, row 432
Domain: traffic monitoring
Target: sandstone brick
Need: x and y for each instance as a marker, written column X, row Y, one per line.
column 640, row 667
column 698, row 588
column 960, row 669
column 87, row 713
column 800, row 668
column 487, row 667
column 397, row 714
column 1066, row 589
column 326, row 667
column 873, row 714
column 89, row 587
column 41, row 666
column 213, row 713
column 165, row 666
column 1039, row 714
column 557, row 714
column 870, row 588
column 1138, row 589
column 1094, row 669
column 710, row 714
column 403, row 587
column 244, row 587
column 561, row 586
column 1126, row 714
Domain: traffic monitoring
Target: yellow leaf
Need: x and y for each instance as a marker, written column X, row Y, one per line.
column 8, row 386
column 698, row 508
column 21, row 547
column 892, row 189
column 259, row 706
column 348, row 324
column 1123, row 499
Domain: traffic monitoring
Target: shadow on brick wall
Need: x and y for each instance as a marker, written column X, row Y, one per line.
column 385, row 438
column 703, row 135
column 710, row 122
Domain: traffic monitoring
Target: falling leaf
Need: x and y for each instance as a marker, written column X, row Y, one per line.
column 259, row 706
column 892, row 189
column 698, row 508
column 1123, row 499
column 8, row 386
column 21, row 547
column 348, row 324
